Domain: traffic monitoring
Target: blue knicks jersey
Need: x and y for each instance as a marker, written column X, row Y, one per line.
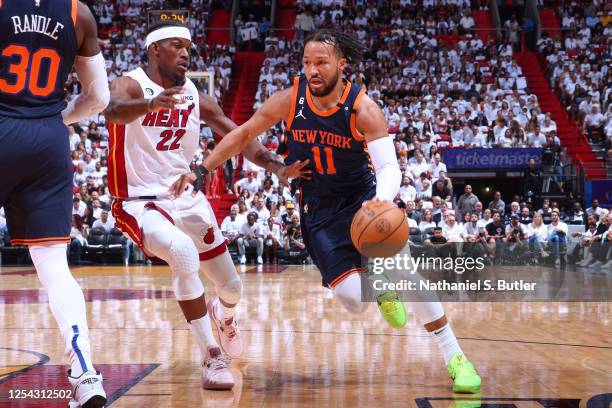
column 339, row 161
column 38, row 45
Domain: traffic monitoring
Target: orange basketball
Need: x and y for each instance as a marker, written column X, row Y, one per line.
column 379, row 229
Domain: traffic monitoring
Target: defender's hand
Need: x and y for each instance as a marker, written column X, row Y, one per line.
column 295, row 170
column 180, row 185
column 165, row 100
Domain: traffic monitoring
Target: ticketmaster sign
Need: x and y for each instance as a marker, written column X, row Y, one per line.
column 503, row 159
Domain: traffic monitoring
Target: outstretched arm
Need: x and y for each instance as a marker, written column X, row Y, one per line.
column 242, row 139
column 127, row 102
column 273, row 111
column 255, row 152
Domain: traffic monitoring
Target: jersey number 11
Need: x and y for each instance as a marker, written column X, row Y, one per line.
column 329, row 159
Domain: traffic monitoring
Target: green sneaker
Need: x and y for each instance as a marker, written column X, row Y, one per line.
column 392, row 309
column 465, row 378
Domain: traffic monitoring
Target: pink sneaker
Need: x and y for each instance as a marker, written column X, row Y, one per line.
column 229, row 334
column 215, row 371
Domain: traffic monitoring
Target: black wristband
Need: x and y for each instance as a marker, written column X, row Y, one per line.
column 200, row 173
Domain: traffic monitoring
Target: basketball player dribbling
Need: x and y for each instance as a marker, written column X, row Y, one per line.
column 40, row 42
column 330, row 122
column 154, row 125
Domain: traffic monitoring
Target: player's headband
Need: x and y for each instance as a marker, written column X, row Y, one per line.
column 168, row 32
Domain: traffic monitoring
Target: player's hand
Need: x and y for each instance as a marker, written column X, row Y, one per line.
column 180, row 185
column 376, row 199
column 295, row 170
column 165, row 100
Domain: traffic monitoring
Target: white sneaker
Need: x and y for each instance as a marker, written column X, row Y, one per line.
column 87, row 390
column 215, row 371
column 596, row 264
column 242, row 260
column 230, row 337
column 259, row 260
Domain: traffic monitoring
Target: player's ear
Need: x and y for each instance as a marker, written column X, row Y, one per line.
column 155, row 48
column 342, row 63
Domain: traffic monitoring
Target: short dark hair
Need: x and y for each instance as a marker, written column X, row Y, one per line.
column 438, row 229
column 345, row 44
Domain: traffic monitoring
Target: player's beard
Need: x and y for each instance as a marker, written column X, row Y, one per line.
column 176, row 78
column 327, row 89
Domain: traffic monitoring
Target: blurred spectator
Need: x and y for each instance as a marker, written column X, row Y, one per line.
column 557, row 236
column 78, row 239
column 251, row 236
column 105, row 222
column 497, row 203
column 467, row 201
column 294, row 248
column 272, row 238
column 231, row 226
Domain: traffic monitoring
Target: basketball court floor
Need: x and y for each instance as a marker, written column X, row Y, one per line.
column 302, row 348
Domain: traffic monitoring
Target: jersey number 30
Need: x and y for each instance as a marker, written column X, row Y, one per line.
column 165, row 145
column 20, row 70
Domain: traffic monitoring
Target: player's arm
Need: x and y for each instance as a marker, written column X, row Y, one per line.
column 273, row 111
column 91, row 69
column 255, row 152
column 127, row 102
column 371, row 123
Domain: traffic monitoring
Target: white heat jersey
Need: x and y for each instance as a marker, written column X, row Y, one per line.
column 149, row 154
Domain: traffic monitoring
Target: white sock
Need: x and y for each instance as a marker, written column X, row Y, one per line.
column 78, row 348
column 202, row 331
column 447, row 342
column 66, row 302
column 226, row 312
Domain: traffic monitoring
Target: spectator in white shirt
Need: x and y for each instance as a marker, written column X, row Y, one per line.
column 73, row 137
column 557, row 234
column 419, row 165
column 594, row 121
column 97, row 209
column 80, row 176
column 427, row 221
column 537, row 232
column 263, row 213
column 467, row 21
column 230, row 227
column 248, row 183
column 272, row 235
column 250, row 236
column 452, row 231
column 485, row 220
column 105, row 222
column 407, row 192
column 78, row 207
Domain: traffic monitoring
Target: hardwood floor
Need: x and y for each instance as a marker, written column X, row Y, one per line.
column 302, row 347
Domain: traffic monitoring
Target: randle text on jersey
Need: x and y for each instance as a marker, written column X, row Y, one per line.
column 35, row 23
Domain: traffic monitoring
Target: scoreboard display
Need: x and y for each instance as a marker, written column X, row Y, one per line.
column 182, row 16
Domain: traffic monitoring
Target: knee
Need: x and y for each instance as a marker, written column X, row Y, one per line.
column 240, row 241
column 184, row 259
column 231, row 291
